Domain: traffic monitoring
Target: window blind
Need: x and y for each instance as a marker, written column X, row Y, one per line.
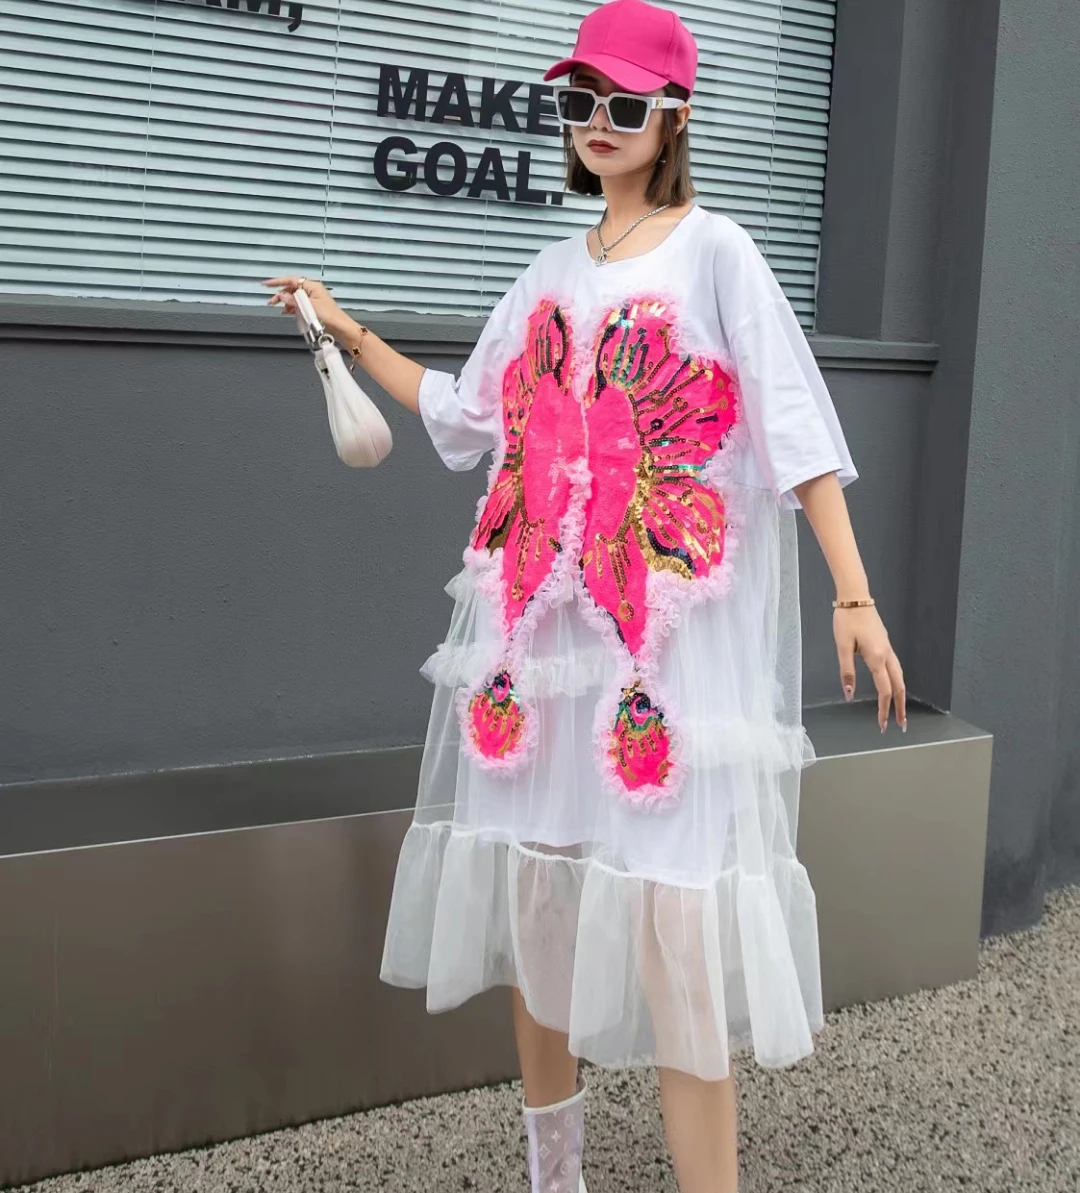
column 185, row 149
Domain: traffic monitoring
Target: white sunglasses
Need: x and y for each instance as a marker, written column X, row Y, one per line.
column 626, row 113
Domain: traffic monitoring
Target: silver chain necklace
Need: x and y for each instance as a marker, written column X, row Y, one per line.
column 602, row 257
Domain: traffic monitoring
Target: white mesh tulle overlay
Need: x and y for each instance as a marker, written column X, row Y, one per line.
column 609, row 792
column 675, row 936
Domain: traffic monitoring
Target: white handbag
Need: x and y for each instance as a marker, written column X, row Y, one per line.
column 361, row 435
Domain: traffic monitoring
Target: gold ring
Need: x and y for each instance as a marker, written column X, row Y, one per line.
column 300, row 284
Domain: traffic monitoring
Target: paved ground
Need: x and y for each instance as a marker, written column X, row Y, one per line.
column 973, row 1088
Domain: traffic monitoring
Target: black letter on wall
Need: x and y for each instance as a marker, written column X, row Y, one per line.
column 391, row 91
column 522, row 191
column 453, row 102
column 541, row 105
column 497, row 103
column 404, row 175
column 431, row 168
column 490, row 163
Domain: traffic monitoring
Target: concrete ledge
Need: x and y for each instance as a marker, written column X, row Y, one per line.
column 113, row 809
column 236, row 325
column 892, row 830
column 168, row 992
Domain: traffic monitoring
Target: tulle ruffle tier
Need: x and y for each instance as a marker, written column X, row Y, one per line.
column 675, row 934
column 636, row 972
column 721, row 699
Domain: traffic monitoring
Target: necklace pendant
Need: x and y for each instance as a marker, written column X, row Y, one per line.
column 601, row 257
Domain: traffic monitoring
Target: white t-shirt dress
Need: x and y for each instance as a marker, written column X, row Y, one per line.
column 608, row 795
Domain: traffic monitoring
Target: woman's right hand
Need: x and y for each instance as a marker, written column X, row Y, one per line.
column 332, row 317
column 397, row 374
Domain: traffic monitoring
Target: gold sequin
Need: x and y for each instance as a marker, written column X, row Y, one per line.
column 666, row 420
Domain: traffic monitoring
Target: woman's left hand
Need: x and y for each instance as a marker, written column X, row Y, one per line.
column 861, row 631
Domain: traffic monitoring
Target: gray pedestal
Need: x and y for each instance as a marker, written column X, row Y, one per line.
column 171, row 978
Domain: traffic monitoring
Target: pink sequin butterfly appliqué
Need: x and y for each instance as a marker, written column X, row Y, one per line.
column 528, row 499
column 649, row 419
column 654, row 418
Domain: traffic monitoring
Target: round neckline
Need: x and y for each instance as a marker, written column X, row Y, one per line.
column 583, row 239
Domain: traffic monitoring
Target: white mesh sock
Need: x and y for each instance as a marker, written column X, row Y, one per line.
column 556, row 1137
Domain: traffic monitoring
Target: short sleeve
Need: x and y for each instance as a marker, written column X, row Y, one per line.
column 463, row 414
column 794, row 428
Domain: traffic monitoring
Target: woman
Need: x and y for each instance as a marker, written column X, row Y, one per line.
column 609, row 789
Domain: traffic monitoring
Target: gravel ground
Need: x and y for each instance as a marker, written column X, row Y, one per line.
column 974, row 1087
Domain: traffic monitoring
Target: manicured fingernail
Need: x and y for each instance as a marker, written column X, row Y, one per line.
column 882, row 728
column 848, row 693
column 903, row 727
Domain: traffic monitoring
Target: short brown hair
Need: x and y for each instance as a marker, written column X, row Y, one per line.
column 670, row 182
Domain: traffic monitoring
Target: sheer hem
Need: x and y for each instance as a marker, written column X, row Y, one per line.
column 635, row 971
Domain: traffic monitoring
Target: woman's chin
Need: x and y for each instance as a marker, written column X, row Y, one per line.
column 605, row 165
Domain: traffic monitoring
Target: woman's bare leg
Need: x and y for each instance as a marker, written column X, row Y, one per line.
column 548, row 1068
column 700, row 1126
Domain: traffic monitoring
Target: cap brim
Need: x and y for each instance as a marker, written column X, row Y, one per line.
column 622, row 73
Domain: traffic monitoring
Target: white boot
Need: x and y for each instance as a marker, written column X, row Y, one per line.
column 556, row 1137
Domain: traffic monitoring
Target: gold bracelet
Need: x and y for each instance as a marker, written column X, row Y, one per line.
column 358, row 351
column 852, row 604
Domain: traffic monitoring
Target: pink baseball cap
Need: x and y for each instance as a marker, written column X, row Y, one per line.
column 638, row 46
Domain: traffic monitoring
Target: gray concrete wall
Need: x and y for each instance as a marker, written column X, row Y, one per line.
column 1017, row 655
column 954, row 299
column 191, row 575
column 951, row 216
column 901, row 246
column 1064, row 825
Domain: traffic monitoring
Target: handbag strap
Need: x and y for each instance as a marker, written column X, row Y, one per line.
column 314, row 332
